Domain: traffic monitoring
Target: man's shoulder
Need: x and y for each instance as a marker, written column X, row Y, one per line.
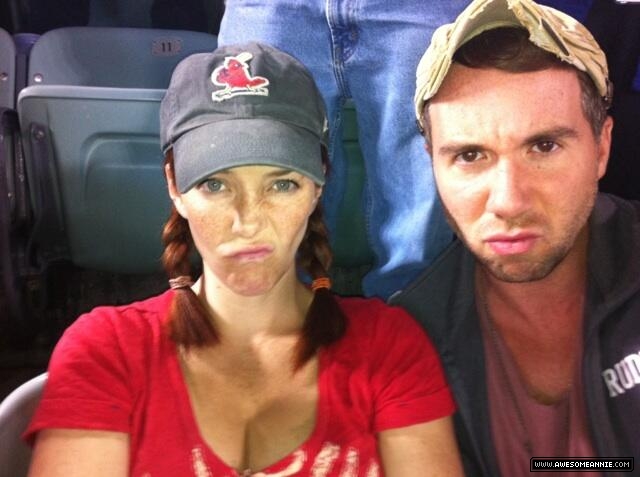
column 440, row 287
column 611, row 207
column 438, row 275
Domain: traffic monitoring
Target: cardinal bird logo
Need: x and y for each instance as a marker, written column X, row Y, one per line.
column 237, row 80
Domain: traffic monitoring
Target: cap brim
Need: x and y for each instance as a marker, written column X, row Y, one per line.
column 221, row 145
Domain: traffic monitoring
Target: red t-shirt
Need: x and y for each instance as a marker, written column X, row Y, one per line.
column 116, row 369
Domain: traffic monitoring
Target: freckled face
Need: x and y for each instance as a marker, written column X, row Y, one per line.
column 516, row 165
column 247, row 223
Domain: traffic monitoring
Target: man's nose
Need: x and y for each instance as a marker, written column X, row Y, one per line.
column 508, row 186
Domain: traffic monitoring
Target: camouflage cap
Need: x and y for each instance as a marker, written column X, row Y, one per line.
column 548, row 28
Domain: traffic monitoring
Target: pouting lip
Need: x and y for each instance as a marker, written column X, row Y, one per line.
column 511, row 237
column 512, row 244
column 251, row 251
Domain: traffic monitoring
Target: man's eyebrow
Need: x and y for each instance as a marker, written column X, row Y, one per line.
column 552, row 134
column 454, row 148
column 561, row 132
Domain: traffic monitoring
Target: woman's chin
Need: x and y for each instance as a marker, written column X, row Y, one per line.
column 251, row 286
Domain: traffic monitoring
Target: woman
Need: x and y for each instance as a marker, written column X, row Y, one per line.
column 247, row 371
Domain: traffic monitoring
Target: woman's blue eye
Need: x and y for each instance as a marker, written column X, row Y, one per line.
column 285, row 185
column 213, row 185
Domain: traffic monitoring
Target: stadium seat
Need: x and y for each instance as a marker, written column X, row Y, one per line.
column 13, row 195
column 120, row 13
column 89, row 122
column 15, row 413
column 7, row 70
column 352, row 254
column 96, row 178
column 112, row 57
column 351, row 247
column 24, row 42
column 193, row 15
column 14, row 216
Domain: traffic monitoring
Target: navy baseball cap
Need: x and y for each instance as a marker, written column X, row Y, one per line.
column 247, row 104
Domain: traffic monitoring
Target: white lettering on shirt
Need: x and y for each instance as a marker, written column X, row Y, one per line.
column 350, row 468
column 299, row 457
column 325, row 459
column 200, row 468
column 321, row 467
column 624, row 375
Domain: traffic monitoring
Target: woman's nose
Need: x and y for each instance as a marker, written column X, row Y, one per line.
column 248, row 216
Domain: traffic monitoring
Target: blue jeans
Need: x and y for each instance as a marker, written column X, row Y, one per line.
column 366, row 50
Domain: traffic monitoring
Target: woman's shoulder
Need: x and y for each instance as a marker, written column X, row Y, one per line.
column 131, row 323
column 149, row 310
column 114, row 339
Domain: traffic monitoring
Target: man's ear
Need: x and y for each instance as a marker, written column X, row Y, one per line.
column 175, row 195
column 604, row 146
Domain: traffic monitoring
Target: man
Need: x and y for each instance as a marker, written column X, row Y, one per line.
column 536, row 309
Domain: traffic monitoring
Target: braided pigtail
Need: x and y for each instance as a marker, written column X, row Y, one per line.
column 325, row 322
column 188, row 323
